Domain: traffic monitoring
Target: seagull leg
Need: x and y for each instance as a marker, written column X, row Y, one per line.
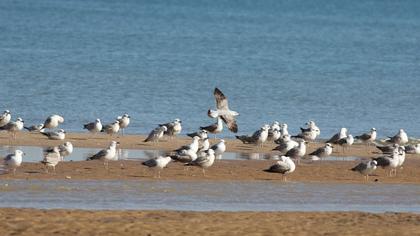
column 204, row 172
column 14, row 171
column 54, row 169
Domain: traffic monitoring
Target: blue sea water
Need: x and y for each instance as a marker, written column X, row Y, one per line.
column 353, row 64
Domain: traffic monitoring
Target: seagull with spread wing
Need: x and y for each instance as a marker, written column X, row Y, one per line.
column 223, row 111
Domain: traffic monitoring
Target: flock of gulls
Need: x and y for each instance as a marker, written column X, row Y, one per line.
column 290, row 148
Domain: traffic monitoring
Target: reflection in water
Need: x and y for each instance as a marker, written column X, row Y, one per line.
column 209, row 196
column 34, row 154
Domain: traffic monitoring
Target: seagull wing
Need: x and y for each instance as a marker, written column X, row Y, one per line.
column 230, row 122
column 221, row 100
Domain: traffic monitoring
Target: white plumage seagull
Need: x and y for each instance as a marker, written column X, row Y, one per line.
column 400, row 138
column 64, row 149
column 55, row 135
column 413, row 149
column 93, row 127
column 52, row 158
column 205, row 160
column 13, row 126
column 156, row 134
column 35, row 128
column 187, row 153
column 124, row 122
column 285, row 143
column 214, row 128
column 5, row 118
column 365, row 168
column 157, row 163
column 106, row 155
column 334, row 139
column 322, row 152
column 368, row 137
column 53, row 121
column 258, row 137
column 112, row 128
column 223, row 111
column 173, row 128
column 219, row 148
column 284, row 166
column 201, row 133
column 14, row 160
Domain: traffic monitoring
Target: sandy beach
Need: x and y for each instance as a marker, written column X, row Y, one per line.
column 78, row 222
column 223, row 170
column 81, row 222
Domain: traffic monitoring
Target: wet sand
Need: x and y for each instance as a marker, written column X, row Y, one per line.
column 222, row 170
column 136, row 142
column 78, row 222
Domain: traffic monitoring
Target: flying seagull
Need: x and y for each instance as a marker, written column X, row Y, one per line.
column 223, row 111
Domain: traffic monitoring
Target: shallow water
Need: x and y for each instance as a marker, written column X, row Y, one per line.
column 209, row 196
column 35, row 154
column 341, row 63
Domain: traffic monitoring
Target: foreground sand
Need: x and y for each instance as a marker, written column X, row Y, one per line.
column 223, row 170
column 78, row 222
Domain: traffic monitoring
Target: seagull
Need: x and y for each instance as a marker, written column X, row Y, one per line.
column 388, row 149
column 93, row 127
column 124, row 122
column 311, row 125
column 346, row 141
column 193, row 146
column 202, row 134
column 391, row 161
column 13, row 126
column 158, row 163
column 156, row 134
column 205, row 160
column 64, row 149
column 273, row 134
column 368, row 137
column 53, row 121
column 13, row 160
column 413, row 149
column 52, row 158
column 259, row 136
column 174, row 128
column 35, row 128
column 322, row 152
column 106, row 155
column 55, row 135
column 187, row 153
column 5, row 118
column 342, row 134
column 214, row 128
column 219, row 148
column 365, row 168
column 275, row 126
column 112, row 128
column 284, row 129
column 204, row 145
column 284, row 166
column 223, row 111
column 401, row 156
column 401, row 138
column 297, row 152
column 285, row 143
